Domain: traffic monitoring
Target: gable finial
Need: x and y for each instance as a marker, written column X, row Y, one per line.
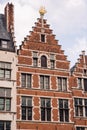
column 42, row 11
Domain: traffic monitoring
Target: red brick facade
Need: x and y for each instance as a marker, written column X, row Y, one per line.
column 47, row 47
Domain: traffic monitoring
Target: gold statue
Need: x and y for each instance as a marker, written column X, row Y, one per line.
column 42, row 11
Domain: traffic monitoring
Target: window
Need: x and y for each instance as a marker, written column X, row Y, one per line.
column 26, row 108
column 43, row 61
column 80, row 107
column 5, row 99
column 42, row 38
column 5, row 70
column 5, row 125
column 85, row 84
column 81, row 128
column 85, row 72
column 44, row 82
column 26, row 80
column 4, row 44
column 35, row 59
column 45, row 109
column 52, row 64
column 62, row 84
column 79, row 83
column 82, row 83
column 63, row 110
column 52, row 61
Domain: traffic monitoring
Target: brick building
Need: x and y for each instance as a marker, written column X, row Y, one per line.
column 47, row 94
column 44, row 98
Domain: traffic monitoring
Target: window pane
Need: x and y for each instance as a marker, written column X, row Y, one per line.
column 76, row 102
column 61, row 115
column 52, row 63
column 8, row 104
column 23, row 101
column 46, row 82
column 42, row 38
column 1, row 125
column 2, row 65
column 2, row 92
column 7, row 66
column 60, row 103
column 65, row 103
column 80, row 101
column 4, row 44
column 29, row 102
column 42, row 102
column 59, row 84
column 85, row 84
column 1, row 73
column 2, row 104
column 48, row 114
column 7, row 74
column 41, row 82
column 64, row 84
column 43, row 61
column 35, row 62
column 86, row 111
column 79, row 83
column 80, row 111
column 8, row 92
column 66, row 115
column 29, row 113
column 23, row 80
column 28, row 81
column 8, row 125
column 43, row 114
column 48, row 103
column 23, row 113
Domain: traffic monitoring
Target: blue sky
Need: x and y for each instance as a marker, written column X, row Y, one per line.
column 67, row 18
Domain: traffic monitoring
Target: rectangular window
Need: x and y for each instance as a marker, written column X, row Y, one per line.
column 5, row 125
column 45, row 109
column 85, row 72
column 4, row 44
column 44, row 82
column 26, row 80
column 85, row 84
column 80, row 83
column 35, row 62
column 42, row 38
column 5, row 70
column 62, row 84
column 52, row 61
column 80, row 107
column 5, row 99
column 35, row 59
column 81, row 128
column 26, row 108
column 52, row 64
column 63, row 110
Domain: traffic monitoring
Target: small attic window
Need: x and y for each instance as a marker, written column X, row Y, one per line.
column 42, row 38
column 4, row 44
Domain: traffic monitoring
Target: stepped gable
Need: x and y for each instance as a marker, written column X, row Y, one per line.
column 80, row 67
column 41, row 38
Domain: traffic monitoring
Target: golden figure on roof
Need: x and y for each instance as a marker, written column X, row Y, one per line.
column 42, row 10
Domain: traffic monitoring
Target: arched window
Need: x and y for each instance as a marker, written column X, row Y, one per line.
column 43, row 61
